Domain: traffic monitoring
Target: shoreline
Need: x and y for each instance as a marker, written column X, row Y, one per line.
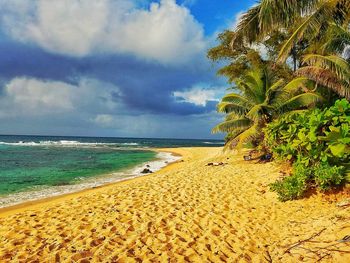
column 187, row 211
column 5, row 210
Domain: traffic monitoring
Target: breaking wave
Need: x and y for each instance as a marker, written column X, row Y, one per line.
column 67, row 143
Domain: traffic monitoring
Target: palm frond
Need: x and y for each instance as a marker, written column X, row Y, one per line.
column 337, row 38
column 248, row 89
column 327, row 78
column 231, row 125
column 255, row 112
column 234, row 115
column 230, row 138
column 336, row 64
column 311, row 24
column 271, row 92
column 228, row 107
column 254, row 84
column 248, row 27
column 300, row 101
column 236, row 99
column 282, row 12
column 248, row 135
column 267, row 15
column 296, row 84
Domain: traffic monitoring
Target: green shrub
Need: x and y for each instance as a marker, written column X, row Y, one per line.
column 321, row 175
column 326, row 176
column 317, row 141
column 294, row 186
column 312, row 136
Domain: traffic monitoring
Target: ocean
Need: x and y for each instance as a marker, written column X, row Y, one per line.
column 35, row 167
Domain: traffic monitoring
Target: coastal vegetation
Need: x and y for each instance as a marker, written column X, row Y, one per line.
column 289, row 66
column 317, row 142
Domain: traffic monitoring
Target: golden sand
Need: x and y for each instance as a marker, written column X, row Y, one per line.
column 187, row 212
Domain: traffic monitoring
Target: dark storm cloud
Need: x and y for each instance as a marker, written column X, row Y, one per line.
column 143, row 86
column 23, row 60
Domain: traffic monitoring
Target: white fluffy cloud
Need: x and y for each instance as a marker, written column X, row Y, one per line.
column 165, row 32
column 199, row 95
column 32, row 94
column 29, row 96
column 35, row 106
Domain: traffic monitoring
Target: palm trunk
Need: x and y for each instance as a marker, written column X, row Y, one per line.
column 294, row 56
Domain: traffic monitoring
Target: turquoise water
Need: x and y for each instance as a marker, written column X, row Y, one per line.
column 30, row 164
column 23, row 168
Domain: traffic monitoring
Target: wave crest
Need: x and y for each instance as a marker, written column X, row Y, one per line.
column 66, row 143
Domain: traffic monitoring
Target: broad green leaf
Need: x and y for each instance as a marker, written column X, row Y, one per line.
column 338, row 150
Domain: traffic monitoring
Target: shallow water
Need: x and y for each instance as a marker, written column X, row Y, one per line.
column 24, row 167
column 34, row 167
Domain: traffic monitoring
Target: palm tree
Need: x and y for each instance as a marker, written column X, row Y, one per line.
column 315, row 23
column 260, row 98
column 319, row 28
column 304, row 19
column 335, row 40
column 329, row 71
column 270, row 15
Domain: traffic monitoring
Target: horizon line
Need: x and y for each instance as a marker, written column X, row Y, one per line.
column 115, row 137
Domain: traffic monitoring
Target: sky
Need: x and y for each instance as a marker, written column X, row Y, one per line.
column 119, row 68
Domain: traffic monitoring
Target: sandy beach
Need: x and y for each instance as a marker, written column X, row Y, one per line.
column 186, row 212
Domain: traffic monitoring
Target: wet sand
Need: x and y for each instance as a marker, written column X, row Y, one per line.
column 187, row 212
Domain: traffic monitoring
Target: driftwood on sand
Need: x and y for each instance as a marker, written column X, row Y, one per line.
column 300, row 242
column 320, row 252
column 216, row 164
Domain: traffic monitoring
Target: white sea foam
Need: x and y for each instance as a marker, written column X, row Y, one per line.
column 162, row 160
column 129, row 143
column 67, row 143
column 213, row 142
